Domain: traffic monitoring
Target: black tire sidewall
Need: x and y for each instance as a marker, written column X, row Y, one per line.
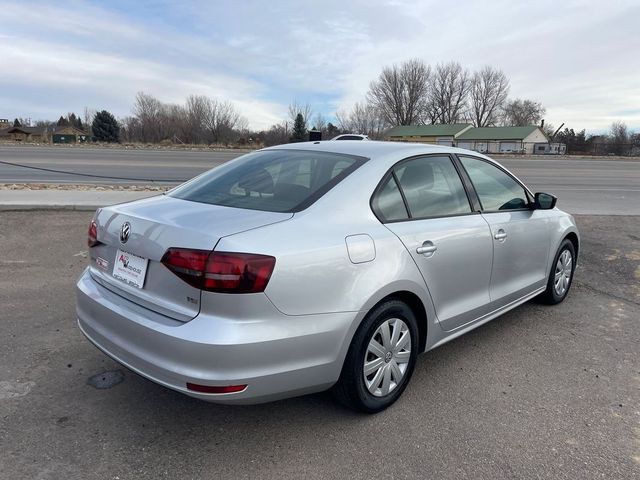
column 565, row 245
column 391, row 309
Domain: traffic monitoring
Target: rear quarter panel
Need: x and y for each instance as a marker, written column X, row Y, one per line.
column 314, row 273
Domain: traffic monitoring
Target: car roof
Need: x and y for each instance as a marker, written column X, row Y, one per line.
column 372, row 149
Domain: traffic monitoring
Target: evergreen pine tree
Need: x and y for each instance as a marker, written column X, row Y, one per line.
column 332, row 130
column 16, row 123
column 62, row 122
column 105, row 127
column 299, row 129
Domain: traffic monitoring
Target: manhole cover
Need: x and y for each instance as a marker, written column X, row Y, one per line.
column 107, row 379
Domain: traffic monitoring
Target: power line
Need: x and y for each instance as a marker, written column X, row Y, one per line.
column 51, row 170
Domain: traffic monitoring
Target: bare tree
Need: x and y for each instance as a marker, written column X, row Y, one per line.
column 487, row 95
column 199, row 120
column 363, row 118
column 319, row 122
column 519, row 113
column 147, row 110
column 44, row 123
column 171, row 123
column 449, row 91
column 130, row 130
column 619, row 138
column 548, row 129
column 400, row 93
column 195, row 113
column 277, row 134
column 296, row 108
column 89, row 113
column 619, row 132
column 221, row 118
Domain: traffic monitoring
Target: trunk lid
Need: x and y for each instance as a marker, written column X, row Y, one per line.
column 155, row 225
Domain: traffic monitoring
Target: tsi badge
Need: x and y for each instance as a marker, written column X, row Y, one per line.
column 125, row 231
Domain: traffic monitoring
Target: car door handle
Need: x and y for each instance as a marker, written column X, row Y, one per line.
column 500, row 235
column 427, row 248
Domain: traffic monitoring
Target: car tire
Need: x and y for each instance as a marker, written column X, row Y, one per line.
column 387, row 373
column 561, row 274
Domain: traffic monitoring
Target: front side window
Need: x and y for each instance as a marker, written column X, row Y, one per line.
column 271, row 180
column 496, row 189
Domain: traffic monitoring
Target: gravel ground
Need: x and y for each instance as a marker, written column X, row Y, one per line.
column 542, row 392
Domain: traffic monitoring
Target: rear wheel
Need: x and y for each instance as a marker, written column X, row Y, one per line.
column 561, row 274
column 381, row 358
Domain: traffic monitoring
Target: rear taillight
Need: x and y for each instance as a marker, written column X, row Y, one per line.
column 92, row 239
column 222, row 272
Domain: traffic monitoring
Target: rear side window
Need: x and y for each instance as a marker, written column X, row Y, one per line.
column 432, row 187
column 272, row 180
column 496, row 189
column 388, row 204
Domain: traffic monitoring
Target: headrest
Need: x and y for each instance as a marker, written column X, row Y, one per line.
column 259, row 181
column 417, row 175
column 290, row 191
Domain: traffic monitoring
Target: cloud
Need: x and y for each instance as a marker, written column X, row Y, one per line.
column 579, row 64
column 110, row 77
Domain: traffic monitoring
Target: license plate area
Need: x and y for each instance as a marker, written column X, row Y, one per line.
column 130, row 269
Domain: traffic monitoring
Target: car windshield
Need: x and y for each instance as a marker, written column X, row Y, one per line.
column 270, row 180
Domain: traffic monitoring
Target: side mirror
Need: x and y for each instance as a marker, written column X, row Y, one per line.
column 544, row 201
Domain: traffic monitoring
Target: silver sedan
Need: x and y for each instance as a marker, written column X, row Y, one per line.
column 310, row 266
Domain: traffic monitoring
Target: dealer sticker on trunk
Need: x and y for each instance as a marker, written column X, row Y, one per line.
column 130, row 268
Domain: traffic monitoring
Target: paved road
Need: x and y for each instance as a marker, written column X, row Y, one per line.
column 542, row 392
column 583, row 186
column 162, row 166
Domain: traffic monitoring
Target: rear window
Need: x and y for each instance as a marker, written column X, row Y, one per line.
column 271, row 180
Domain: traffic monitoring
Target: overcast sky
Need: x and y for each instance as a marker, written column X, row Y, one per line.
column 580, row 59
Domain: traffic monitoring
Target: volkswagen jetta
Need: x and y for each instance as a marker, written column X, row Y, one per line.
column 321, row 265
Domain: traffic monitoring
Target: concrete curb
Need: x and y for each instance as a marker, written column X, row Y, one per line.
column 29, row 207
column 66, row 199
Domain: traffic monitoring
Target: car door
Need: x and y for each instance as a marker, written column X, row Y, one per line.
column 520, row 234
column 423, row 201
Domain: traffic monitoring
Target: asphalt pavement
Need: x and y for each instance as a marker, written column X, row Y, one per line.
column 113, row 166
column 584, row 186
column 541, row 392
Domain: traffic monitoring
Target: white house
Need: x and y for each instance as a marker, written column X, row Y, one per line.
column 529, row 139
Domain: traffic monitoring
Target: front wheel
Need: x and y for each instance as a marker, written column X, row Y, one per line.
column 561, row 274
column 381, row 358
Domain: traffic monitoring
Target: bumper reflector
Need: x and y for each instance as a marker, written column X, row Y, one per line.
column 194, row 387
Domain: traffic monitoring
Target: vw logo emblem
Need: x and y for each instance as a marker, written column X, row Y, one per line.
column 125, row 230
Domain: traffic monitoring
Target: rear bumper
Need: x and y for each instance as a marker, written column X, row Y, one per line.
column 276, row 356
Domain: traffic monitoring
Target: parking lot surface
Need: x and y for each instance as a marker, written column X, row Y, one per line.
column 541, row 392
